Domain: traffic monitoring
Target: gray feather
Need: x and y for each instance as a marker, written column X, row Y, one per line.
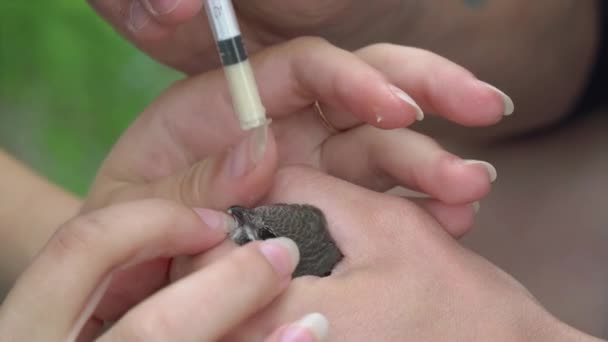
column 304, row 224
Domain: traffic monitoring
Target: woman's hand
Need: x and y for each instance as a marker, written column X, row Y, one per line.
column 402, row 277
column 168, row 151
column 55, row 297
column 177, row 148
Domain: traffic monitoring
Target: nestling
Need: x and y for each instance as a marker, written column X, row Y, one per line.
column 304, row 224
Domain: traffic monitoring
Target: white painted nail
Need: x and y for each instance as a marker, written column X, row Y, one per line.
column 508, row 103
column 247, row 154
column 491, row 169
column 476, row 206
column 314, row 325
column 403, row 96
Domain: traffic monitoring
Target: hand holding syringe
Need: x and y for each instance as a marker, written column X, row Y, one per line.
column 245, row 96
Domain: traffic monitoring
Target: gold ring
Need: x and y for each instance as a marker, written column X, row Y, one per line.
column 317, row 107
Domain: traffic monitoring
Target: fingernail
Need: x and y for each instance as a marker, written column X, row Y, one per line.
column 160, row 7
column 407, row 99
column 248, row 153
column 274, row 251
column 508, row 103
column 312, row 328
column 138, row 16
column 489, row 167
column 215, row 220
column 476, row 206
column 260, row 139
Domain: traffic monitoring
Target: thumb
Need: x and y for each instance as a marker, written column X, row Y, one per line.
column 242, row 175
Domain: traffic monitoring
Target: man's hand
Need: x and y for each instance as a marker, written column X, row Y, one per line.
column 402, row 277
column 176, row 33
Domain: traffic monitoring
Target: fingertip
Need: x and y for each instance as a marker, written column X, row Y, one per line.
column 392, row 108
column 456, row 220
column 313, row 327
column 371, row 99
column 141, row 24
column 461, row 98
column 485, row 105
column 216, row 220
column 282, row 253
column 172, row 12
column 508, row 107
column 476, row 207
column 246, row 171
column 473, row 180
column 456, row 181
column 487, row 167
column 407, row 101
column 254, row 184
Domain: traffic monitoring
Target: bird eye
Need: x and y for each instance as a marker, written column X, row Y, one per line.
column 266, row 234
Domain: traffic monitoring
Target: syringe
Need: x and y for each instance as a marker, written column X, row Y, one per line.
column 243, row 88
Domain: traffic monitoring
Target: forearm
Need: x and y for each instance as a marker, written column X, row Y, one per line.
column 30, row 210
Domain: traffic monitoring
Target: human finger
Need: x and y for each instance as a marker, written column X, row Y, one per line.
column 440, row 86
column 311, row 328
column 407, row 158
column 208, row 303
column 84, row 254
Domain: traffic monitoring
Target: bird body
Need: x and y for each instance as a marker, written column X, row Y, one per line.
column 304, row 224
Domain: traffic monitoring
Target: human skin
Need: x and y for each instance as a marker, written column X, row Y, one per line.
column 545, row 222
column 31, row 209
column 174, row 151
column 555, row 242
column 402, row 276
column 177, row 148
column 88, row 250
column 151, row 149
column 540, row 52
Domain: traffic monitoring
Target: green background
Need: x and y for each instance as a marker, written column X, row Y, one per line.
column 69, row 85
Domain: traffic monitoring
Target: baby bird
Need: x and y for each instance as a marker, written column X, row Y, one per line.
column 304, row 224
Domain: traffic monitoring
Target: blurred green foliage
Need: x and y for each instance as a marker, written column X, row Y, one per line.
column 69, row 85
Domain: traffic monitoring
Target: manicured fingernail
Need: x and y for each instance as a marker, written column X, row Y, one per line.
column 274, row 250
column 160, row 7
column 260, row 140
column 489, row 167
column 508, row 103
column 215, row 219
column 138, row 16
column 476, row 206
column 312, row 328
column 403, row 96
column 248, row 153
